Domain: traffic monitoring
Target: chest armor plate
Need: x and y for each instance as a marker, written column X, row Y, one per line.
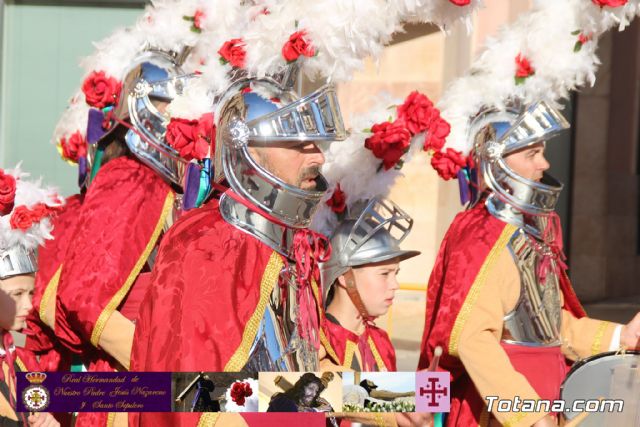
column 278, row 345
column 537, row 316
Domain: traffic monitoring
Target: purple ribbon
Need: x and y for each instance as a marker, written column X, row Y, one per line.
column 94, row 126
column 191, row 186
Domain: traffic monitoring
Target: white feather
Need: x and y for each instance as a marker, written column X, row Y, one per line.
column 28, row 193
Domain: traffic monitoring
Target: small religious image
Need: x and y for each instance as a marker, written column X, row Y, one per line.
column 300, row 392
column 378, row 392
column 215, row 392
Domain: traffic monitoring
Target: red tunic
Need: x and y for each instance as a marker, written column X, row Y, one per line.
column 209, row 291
column 473, row 237
column 118, row 226
column 373, row 345
column 41, row 340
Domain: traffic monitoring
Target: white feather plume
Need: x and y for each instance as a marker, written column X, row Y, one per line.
column 546, row 36
column 74, row 119
column 28, row 193
column 356, row 169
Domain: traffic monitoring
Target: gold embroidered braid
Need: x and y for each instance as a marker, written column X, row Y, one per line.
column 381, row 366
column 349, row 351
column 379, row 420
column 119, row 296
column 514, row 420
column 49, row 297
column 268, row 282
column 327, row 346
column 208, row 419
column 477, row 286
column 21, row 365
column 597, row 339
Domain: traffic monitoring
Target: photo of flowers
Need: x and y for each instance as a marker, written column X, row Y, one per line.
column 378, row 392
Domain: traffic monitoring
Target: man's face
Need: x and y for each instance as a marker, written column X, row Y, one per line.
column 529, row 162
column 297, row 165
column 310, row 393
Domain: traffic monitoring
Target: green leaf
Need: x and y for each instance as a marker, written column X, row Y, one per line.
column 520, row 80
column 575, row 33
column 223, row 61
column 367, row 130
column 189, row 18
column 195, row 29
column 577, row 47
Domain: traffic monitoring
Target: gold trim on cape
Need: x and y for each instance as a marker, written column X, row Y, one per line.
column 268, row 282
column 477, row 286
column 49, row 297
column 124, row 290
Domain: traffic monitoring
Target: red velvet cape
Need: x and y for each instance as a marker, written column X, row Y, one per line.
column 374, row 345
column 473, row 237
column 208, row 293
column 118, row 225
column 42, row 340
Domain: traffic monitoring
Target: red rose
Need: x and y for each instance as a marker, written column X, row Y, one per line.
column 416, row 112
column 7, row 192
column 460, row 2
column 337, row 202
column 389, row 142
column 582, row 38
column 73, row 147
column 297, row 45
column 191, row 138
column 448, row 163
column 523, row 69
column 233, row 52
column 437, row 134
column 21, row 218
column 197, row 19
column 101, row 91
column 239, row 392
column 610, row 3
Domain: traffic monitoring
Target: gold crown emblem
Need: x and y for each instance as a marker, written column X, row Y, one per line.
column 36, row 377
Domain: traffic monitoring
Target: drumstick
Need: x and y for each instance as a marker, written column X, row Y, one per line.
column 580, row 417
column 433, row 366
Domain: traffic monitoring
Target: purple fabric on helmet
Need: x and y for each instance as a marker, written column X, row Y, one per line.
column 94, row 126
column 82, row 170
column 191, row 186
column 473, row 183
column 463, row 184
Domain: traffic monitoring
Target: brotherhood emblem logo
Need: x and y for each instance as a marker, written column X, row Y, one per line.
column 36, row 397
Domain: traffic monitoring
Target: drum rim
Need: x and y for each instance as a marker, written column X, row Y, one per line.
column 586, row 360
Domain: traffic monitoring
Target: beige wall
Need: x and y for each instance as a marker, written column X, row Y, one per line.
column 605, row 208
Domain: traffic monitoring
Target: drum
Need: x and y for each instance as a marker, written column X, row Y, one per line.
column 609, row 376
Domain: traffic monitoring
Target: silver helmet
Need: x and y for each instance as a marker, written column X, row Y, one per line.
column 154, row 76
column 17, row 260
column 266, row 112
column 498, row 133
column 368, row 235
